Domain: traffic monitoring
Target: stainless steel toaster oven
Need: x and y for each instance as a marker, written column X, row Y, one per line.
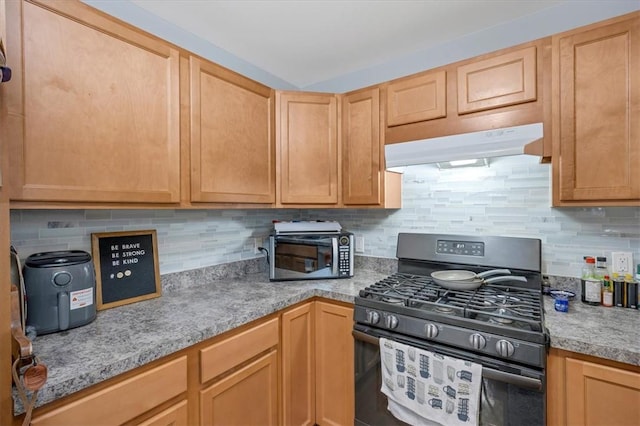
column 308, row 256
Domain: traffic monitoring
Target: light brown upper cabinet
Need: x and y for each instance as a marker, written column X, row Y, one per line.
column 307, row 148
column 506, row 88
column 232, row 137
column 417, row 98
column 361, row 148
column 93, row 108
column 364, row 179
column 502, row 80
column 596, row 114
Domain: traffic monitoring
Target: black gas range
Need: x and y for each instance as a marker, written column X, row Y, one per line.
column 503, row 320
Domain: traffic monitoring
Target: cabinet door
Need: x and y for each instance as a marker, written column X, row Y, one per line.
column 298, row 366
column 601, row 395
column 361, row 148
column 232, row 149
column 503, row 80
column 335, row 393
column 249, row 396
column 596, row 113
column 418, row 98
column 94, row 109
column 307, row 137
column 176, row 415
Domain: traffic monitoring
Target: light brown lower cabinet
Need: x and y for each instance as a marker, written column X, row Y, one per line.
column 249, row 396
column 124, row 401
column 588, row 391
column 240, row 378
column 317, row 360
column 293, row 367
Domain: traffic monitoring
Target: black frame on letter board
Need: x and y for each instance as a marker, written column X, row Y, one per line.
column 142, row 279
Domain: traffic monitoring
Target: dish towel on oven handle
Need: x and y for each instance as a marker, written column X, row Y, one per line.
column 427, row 388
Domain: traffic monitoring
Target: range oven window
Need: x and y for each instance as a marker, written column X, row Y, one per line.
column 505, row 399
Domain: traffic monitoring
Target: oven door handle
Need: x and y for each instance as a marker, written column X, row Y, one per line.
column 489, row 373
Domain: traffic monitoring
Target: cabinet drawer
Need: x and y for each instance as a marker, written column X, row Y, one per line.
column 503, row 80
column 125, row 400
column 224, row 355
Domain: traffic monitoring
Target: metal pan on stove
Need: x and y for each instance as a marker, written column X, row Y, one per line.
column 463, row 275
column 473, row 284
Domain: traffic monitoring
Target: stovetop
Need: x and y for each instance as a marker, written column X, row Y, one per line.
column 502, row 306
column 503, row 320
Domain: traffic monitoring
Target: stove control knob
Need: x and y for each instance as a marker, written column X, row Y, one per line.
column 373, row 317
column 505, row 348
column 477, row 341
column 392, row 321
column 431, row 330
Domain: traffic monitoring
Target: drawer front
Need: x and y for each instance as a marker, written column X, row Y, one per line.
column 228, row 353
column 125, row 400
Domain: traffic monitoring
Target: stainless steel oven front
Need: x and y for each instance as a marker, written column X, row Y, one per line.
column 511, row 394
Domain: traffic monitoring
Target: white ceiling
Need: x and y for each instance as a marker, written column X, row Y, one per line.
column 305, row 42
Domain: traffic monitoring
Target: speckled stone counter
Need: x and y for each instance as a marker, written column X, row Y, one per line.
column 197, row 305
column 610, row 333
column 126, row 337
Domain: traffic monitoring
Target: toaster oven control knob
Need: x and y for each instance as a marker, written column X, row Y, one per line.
column 373, row 317
column 505, row 348
column 431, row 330
column 392, row 321
column 477, row 341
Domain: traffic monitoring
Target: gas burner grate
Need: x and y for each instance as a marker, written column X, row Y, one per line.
column 499, row 305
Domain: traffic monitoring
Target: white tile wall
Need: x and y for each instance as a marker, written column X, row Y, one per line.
column 512, row 197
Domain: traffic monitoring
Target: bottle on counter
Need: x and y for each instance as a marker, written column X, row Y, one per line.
column 591, row 285
column 619, row 291
column 601, row 272
column 631, row 289
column 607, row 291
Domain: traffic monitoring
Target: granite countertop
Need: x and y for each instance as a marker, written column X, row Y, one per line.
column 126, row 337
column 610, row 333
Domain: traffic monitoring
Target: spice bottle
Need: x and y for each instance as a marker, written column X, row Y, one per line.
column 631, row 288
column 591, row 285
column 601, row 272
column 607, row 291
column 619, row 291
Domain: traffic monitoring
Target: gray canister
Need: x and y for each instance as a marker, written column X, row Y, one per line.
column 61, row 290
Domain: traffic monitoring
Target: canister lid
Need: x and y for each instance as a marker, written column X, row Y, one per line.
column 51, row 259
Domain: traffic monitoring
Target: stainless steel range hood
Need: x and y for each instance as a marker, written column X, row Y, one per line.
column 484, row 144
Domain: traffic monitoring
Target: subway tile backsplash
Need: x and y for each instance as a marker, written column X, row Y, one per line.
column 511, row 197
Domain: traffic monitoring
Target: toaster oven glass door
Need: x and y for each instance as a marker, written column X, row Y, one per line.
column 303, row 257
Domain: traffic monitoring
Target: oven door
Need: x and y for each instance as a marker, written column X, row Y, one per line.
column 510, row 395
